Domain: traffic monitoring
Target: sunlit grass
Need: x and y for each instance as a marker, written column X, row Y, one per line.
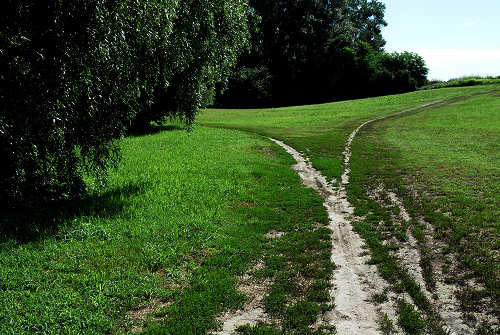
column 453, row 153
column 168, row 228
column 186, row 213
column 321, row 130
column 450, row 152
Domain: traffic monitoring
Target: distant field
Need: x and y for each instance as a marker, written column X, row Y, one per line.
column 465, row 81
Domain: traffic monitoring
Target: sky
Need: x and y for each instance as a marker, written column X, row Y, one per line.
column 456, row 37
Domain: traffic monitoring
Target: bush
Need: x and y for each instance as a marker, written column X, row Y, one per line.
column 461, row 82
column 75, row 73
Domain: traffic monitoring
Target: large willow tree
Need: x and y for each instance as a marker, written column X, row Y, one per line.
column 74, row 74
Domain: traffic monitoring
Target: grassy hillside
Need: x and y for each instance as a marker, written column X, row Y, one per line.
column 321, row 130
column 443, row 161
column 163, row 247
column 182, row 216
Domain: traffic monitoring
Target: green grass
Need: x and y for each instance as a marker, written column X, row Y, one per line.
column 182, row 216
column 410, row 320
column 321, row 130
column 449, row 153
column 185, row 215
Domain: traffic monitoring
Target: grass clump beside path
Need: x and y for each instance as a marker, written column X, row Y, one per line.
column 163, row 243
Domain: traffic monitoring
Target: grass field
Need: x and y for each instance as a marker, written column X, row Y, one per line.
column 162, row 249
column 321, row 130
column 448, row 155
column 182, row 216
column 444, row 162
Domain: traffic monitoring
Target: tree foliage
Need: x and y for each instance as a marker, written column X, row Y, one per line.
column 74, row 75
column 367, row 17
column 205, row 43
column 317, row 51
column 361, row 71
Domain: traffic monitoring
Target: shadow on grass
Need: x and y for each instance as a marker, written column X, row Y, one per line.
column 154, row 129
column 27, row 225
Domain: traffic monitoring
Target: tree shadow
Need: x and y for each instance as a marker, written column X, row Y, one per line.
column 28, row 225
column 154, row 129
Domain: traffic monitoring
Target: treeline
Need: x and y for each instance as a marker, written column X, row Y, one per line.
column 461, row 82
column 312, row 51
column 76, row 75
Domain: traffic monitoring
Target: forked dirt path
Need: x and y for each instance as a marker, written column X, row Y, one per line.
column 355, row 283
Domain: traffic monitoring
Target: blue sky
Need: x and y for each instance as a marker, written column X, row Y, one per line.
column 456, row 38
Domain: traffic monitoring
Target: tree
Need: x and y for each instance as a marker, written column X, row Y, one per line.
column 206, row 41
column 302, row 43
column 75, row 73
column 401, row 72
column 367, row 17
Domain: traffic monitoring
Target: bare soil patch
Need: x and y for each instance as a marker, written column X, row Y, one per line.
column 267, row 151
column 252, row 311
column 274, row 234
column 143, row 313
column 245, row 204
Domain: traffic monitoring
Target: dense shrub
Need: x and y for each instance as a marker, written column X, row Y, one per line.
column 75, row 73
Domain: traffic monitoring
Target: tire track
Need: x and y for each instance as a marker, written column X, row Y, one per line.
column 354, row 281
column 443, row 298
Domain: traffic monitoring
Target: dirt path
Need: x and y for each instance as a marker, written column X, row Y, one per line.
column 355, row 282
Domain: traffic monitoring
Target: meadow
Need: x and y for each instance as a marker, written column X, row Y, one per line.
column 183, row 215
column 162, row 248
column 442, row 161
